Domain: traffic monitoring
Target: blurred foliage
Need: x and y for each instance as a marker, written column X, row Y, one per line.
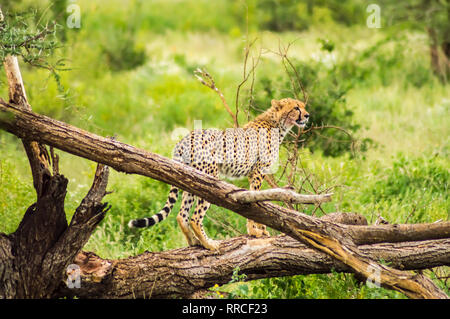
column 290, row 15
column 119, row 45
column 433, row 16
column 419, row 14
column 59, row 10
column 18, row 198
column 121, row 50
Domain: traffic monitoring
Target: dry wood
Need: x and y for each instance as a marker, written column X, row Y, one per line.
column 37, row 155
column 126, row 158
column 192, row 269
column 412, row 285
column 34, row 257
column 345, row 218
column 279, row 194
column 399, row 232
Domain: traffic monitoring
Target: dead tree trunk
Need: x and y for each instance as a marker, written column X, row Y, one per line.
column 184, row 271
column 336, row 240
column 34, row 258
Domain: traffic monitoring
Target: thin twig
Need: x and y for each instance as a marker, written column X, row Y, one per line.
column 201, row 75
column 246, row 75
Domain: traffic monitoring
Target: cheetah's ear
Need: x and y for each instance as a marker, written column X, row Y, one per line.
column 276, row 105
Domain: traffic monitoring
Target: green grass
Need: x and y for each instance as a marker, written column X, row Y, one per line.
column 399, row 105
column 321, row 286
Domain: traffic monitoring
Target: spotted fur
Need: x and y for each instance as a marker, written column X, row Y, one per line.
column 250, row 151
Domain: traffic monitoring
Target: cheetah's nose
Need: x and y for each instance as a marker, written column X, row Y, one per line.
column 306, row 115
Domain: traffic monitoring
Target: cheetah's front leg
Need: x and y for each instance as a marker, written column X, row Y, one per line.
column 254, row 228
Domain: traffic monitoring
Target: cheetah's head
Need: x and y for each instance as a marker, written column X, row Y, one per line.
column 290, row 112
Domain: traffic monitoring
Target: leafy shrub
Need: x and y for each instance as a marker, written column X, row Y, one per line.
column 407, row 175
column 315, row 286
column 412, row 190
column 121, row 51
column 389, row 59
column 17, row 197
column 120, row 46
column 287, row 15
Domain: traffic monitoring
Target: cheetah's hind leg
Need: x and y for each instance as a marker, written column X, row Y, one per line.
column 183, row 219
column 197, row 225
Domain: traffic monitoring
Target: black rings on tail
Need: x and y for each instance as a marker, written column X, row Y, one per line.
column 150, row 221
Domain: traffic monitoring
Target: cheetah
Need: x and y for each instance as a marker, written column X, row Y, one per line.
column 250, row 151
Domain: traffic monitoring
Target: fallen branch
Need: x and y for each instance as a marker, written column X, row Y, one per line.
column 192, row 269
column 125, row 158
column 411, row 284
column 279, row 194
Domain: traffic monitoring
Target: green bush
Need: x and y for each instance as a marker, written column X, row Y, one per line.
column 299, row 15
column 118, row 39
column 315, row 286
column 386, row 61
column 121, row 50
column 412, row 190
column 409, row 175
column 16, row 196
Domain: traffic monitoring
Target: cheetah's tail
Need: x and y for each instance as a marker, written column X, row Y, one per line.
column 150, row 221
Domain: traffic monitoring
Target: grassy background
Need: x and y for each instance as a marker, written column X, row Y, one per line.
column 131, row 75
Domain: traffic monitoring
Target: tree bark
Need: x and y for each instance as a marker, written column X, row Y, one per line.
column 34, row 258
column 337, row 240
column 181, row 272
column 279, row 194
column 439, row 54
column 36, row 153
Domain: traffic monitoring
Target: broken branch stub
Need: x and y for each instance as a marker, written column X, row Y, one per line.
column 279, row 194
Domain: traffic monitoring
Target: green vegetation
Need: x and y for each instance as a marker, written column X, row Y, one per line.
column 131, row 75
